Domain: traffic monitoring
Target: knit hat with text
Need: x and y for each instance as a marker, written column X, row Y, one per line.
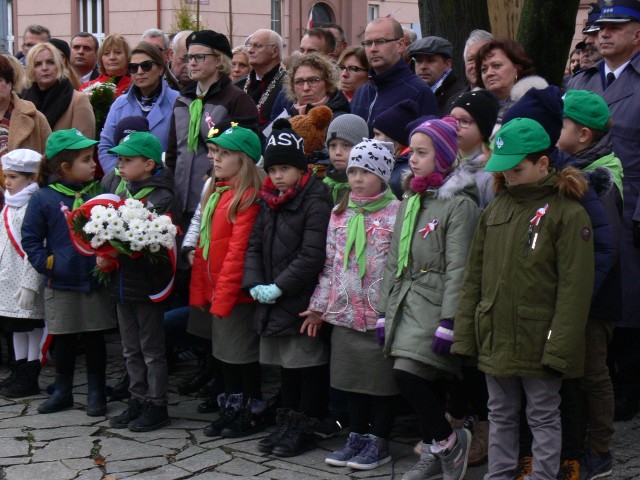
column 284, row 147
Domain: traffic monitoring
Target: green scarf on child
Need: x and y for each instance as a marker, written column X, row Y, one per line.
column 356, row 233
column 207, row 218
column 69, row 192
column 408, row 226
column 335, row 187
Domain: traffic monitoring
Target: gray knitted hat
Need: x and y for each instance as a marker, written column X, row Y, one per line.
column 348, row 127
column 373, row 155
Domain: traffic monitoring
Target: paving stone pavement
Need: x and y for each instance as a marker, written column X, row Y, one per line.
column 70, row 445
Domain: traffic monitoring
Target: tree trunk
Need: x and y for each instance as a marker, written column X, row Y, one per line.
column 546, row 31
column 453, row 20
column 505, row 17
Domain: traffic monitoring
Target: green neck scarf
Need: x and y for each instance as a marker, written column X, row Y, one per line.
column 336, row 187
column 207, row 218
column 78, row 200
column 195, row 114
column 141, row 194
column 408, row 226
column 356, row 233
column 122, row 186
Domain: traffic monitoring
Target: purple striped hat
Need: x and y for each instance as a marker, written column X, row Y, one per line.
column 444, row 135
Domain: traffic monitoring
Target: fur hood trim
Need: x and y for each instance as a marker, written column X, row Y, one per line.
column 601, row 179
column 455, row 183
column 569, row 181
column 525, row 84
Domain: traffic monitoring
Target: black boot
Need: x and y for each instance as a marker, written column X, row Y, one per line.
column 96, row 397
column 13, row 367
column 26, row 381
column 298, row 438
column 61, row 398
column 229, row 407
column 133, row 411
column 153, row 417
column 250, row 420
column 204, row 373
column 283, row 423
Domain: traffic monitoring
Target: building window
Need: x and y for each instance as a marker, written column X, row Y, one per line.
column 91, row 17
column 7, row 28
column 373, row 12
column 276, row 16
column 321, row 14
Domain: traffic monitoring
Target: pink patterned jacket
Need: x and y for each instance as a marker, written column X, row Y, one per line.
column 342, row 296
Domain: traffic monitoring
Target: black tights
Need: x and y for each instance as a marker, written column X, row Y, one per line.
column 94, row 347
column 375, row 409
column 306, row 390
column 427, row 398
column 469, row 395
column 243, row 377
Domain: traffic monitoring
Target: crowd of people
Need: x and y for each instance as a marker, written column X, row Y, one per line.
column 394, row 238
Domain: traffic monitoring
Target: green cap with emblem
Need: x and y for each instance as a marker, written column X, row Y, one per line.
column 587, row 108
column 143, row 144
column 71, row 139
column 239, row 139
column 514, row 141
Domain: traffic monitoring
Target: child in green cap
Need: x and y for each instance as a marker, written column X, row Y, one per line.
column 526, row 294
column 136, row 283
column 75, row 303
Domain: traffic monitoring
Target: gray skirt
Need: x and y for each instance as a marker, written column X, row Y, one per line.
column 358, row 364
column 68, row 311
column 233, row 339
column 199, row 323
column 298, row 351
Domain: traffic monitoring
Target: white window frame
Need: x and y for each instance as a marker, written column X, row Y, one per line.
column 94, row 8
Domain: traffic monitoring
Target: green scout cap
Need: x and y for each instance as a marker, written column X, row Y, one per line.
column 140, row 143
column 239, row 139
column 71, row 139
column 514, row 141
column 587, row 108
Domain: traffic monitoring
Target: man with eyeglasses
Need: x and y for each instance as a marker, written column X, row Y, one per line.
column 433, row 57
column 391, row 80
column 264, row 83
column 179, row 64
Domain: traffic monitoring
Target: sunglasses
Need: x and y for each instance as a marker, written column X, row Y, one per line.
column 145, row 66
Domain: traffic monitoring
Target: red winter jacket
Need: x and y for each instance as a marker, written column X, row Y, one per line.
column 217, row 280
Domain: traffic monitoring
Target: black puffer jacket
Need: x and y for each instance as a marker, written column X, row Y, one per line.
column 138, row 278
column 287, row 247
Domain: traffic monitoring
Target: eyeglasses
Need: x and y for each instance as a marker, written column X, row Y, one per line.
column 464, row 122
column 351, row 68
column 200, row 57
column 311, row 81
column 258, row 46
column 145, row 66
column 378, row 42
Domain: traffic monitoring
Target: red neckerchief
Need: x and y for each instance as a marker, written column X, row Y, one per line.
column 272, row 195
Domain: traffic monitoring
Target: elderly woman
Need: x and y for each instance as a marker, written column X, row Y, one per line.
column 21, row 124
column 311, row 80
column 113, row 58
column 507, row 71
column 209, row 100
column 150, row 97
column 354, row 70
column 53, row 94
column 240, row 67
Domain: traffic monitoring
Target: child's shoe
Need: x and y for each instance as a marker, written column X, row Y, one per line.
column 454, row 462
column 524, row 468
column 595, row 465
column 96, row 396
column 340, row 458
column 133, row 411
column 479, row 449
column 153, row 417
column 61, row 398
column 283, row 423
column 298, row 438
column 374, row 454
column 428, row 467
column 25, row 382
column 229, row 407
column 249, row 420
column 13, row 368
column 569, row 470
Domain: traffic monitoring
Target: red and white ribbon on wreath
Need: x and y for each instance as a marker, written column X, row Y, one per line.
column 14, row 236
column 541, row 212
column 166, row 291
column 428, row 228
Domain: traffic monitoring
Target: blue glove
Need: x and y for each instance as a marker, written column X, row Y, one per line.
column 380, row 331
column 255, row 291
column 443, row 338
column 269, row 293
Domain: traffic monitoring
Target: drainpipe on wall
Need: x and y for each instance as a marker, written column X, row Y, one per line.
column 158, row 5
column 4, row 27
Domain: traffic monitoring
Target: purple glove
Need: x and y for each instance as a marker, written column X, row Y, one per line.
column 380, row 331
column 443, row 339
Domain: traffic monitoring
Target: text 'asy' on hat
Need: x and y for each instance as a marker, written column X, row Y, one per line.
column 143, row 144
column 71, row 139
column 587, row 108
column 514, row 141
column 284, row 147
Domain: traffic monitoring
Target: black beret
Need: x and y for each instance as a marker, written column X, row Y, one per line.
column 210, row 39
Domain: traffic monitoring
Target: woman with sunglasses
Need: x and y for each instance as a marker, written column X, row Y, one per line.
column 52, row 93
column 354, row 70
column 113, row 56
column 149, row 97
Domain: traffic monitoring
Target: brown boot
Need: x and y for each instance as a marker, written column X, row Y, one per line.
column 479, row 448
